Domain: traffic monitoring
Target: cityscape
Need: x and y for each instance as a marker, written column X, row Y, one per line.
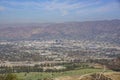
column 59, row 39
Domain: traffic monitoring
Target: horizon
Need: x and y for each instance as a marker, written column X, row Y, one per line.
column 57, row 11
column 34, row 23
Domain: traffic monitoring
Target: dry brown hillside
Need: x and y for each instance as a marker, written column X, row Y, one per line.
column 95, row 76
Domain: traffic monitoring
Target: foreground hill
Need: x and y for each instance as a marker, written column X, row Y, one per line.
column 106, row 30
column 95, row 76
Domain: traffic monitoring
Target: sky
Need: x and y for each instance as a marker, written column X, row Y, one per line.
column 44, row 11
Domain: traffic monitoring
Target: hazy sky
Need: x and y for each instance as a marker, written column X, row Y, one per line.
column 26, row 11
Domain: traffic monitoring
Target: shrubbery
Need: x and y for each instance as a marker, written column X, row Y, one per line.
column 8, row 76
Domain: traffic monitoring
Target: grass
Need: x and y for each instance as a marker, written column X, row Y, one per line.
column 40, row 75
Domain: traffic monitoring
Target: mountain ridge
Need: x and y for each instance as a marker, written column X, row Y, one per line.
column 104, row 30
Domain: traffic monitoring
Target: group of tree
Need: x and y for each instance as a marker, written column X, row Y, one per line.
column 113, row 64
column 39, row 68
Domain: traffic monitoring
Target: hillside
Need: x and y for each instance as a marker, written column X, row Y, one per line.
column 106, row 30
column 95, row 76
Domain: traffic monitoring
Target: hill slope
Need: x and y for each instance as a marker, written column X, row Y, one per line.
column 107, row 30
column 95, row 76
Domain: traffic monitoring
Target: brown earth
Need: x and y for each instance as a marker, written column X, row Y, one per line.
column 94, row 76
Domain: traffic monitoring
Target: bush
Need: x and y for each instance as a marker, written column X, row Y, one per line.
column 8, row 76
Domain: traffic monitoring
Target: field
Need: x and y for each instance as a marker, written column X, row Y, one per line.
column 40, row 75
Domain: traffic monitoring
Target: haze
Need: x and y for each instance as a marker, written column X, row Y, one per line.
column 43, row 11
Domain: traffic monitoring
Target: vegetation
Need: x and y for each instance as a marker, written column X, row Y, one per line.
column 113, row 64
column 43, row 75
column 36, row 72
column 8, row 76
column 39, row 68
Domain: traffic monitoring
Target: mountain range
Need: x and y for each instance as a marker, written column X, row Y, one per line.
column 104, row 30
